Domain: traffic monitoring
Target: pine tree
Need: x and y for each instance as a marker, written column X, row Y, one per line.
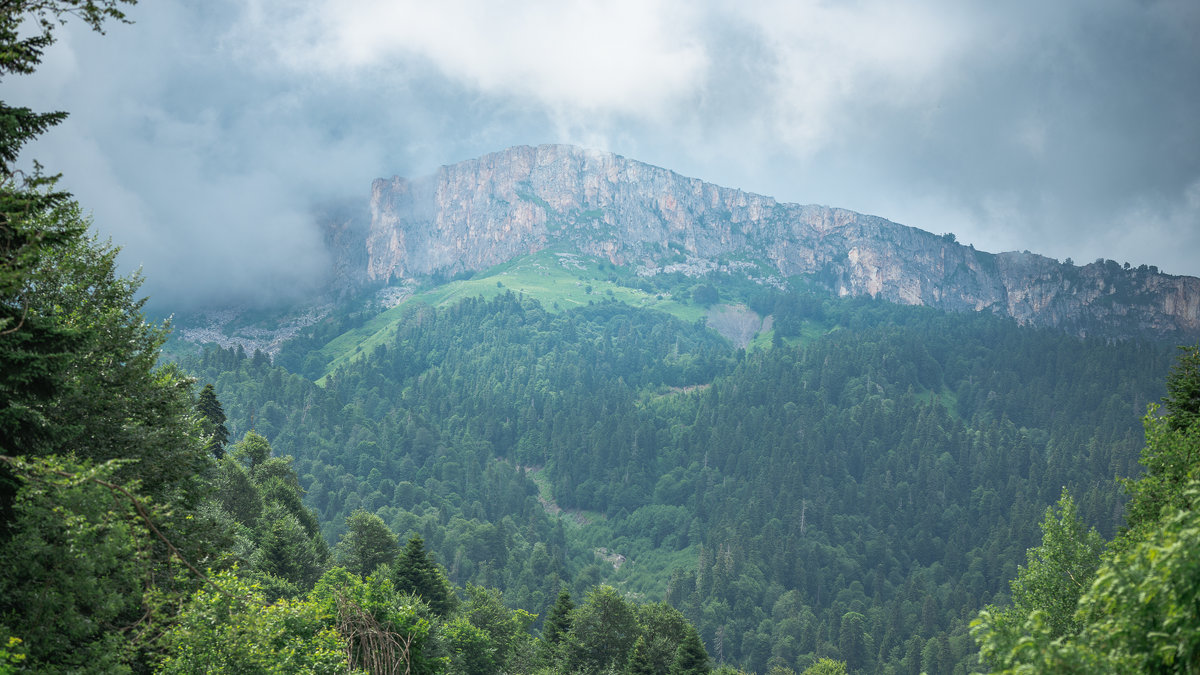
column 691, row 658
column 212, row 420
column 417, row 573
column 558, row 622
column 1182, row 401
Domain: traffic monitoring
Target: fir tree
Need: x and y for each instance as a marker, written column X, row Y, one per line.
column 417, row 573
column 558, row 622
column 212, row 420
column 691, row 658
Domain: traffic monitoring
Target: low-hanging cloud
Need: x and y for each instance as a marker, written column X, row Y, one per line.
column 204, row 136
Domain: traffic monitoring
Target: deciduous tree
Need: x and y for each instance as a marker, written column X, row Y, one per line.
column 367, row 544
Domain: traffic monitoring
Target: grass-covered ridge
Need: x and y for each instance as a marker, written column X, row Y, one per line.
column 556, row 279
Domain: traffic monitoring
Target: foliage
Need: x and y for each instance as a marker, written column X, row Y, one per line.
column 558, row 623
column 417, row 573
column 212, row 421
column 1050, row 584
column 11, row 656
column 252, row 451
column 507, row 629
column 1142, row 612
column 664, row 630
column 1172, row 451
column 76, row 562
column 826, row 666
column 381, row 625
column 24, row 198
column 280, row 541
column 604, row 630
column 471, row 649
column 1144, row 607
column 898, row 465
column 1182, row 401
column 639, row 660
column 230, row 627
column 690, row 657
column 367, row 544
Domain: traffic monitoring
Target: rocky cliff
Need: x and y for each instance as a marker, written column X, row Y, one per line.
column 482, row 212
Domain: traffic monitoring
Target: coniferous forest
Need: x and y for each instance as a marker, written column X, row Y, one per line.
column 503, row 485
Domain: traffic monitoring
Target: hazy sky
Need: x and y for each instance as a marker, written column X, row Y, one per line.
column 203, row 136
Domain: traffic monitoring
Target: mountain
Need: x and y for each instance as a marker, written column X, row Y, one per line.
column 482, row 212
column 550, row 388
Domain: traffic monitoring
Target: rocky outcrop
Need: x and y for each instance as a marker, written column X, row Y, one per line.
column 481, row 212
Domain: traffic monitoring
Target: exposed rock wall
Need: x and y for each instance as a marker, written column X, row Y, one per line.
column 482, row 212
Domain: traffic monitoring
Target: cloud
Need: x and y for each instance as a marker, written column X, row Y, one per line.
column 628, row 57
column 204, row 136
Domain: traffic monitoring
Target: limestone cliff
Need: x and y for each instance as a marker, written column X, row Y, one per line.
column 481, row 212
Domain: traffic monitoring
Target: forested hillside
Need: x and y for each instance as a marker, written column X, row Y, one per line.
column 859, row 494
column 134, row 538
column 582, row 476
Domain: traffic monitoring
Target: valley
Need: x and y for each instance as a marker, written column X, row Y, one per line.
column 857, row 458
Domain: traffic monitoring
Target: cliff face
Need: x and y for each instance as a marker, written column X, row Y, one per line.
column 482, row 212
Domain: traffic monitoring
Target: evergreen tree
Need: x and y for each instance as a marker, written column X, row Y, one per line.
column 35, row 350
column 417, row 573
column 1182, row 402
column 286, row 550
column 1050, row 583
column 212, row 421
column 1172, row 452
column 851, row 640
column 236, row 493
column 1142, row 611
column 558, row 621
column 691, row 658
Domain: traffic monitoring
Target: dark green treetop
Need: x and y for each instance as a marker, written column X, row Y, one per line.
column 212, row 420
column 691, row 657
column 416, row 572
column 558, row 621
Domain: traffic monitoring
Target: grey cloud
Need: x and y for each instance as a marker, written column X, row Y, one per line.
column 203, row 145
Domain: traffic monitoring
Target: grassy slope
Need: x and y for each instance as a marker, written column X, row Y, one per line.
column 558, row 281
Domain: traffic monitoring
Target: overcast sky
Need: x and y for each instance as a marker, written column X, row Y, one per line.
column 203, row 137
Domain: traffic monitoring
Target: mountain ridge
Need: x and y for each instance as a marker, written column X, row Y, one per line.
column 481, row 212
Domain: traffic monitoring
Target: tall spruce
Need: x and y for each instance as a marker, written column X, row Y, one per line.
column 558, row 622
column 691, row 657
column 417, row 573
column 212, row 420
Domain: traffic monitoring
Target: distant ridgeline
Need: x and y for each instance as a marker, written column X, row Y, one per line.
column 479, row 213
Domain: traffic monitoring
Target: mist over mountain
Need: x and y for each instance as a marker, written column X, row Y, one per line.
column 478, row 213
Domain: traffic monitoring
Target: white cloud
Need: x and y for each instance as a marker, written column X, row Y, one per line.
column 631, row 57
